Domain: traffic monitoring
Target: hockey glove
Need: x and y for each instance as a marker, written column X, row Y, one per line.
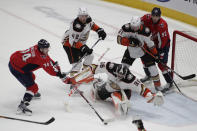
column 85, row 49
column 64, row 78
column 61, row 75
column 101, row 33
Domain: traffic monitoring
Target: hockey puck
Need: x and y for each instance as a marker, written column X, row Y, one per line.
column 105, row 123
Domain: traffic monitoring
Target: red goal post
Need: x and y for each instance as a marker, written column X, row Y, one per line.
column 184, row 52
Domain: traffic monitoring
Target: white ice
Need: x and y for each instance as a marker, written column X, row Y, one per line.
column 24, row 22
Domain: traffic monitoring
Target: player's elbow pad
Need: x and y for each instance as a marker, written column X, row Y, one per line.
column 123, row 41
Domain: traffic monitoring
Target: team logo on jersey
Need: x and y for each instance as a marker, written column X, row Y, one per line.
column 129, row 77
column 162, row 25
column 78, row 26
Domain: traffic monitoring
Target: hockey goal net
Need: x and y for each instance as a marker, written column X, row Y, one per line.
column 184, row 56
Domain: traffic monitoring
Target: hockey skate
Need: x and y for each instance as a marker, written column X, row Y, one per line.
column 22, row 109
column 37, row 96
column 145, row 79
column 159, row 88
column 168, row 88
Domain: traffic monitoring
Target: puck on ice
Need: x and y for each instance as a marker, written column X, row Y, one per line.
column 105, row 123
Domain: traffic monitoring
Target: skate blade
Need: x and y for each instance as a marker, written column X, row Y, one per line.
column 19, row 112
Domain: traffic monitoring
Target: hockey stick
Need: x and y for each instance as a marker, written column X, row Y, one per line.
column 101, row 57
column 182, row 77
column 103, row 120
column 84, row 56
column 36, row 122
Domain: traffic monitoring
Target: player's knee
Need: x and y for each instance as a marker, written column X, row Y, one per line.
column 149, row 64
column 33, row 88
column 153, row 70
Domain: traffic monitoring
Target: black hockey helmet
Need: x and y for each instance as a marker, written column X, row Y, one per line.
column 156, row 12
column 43, row 44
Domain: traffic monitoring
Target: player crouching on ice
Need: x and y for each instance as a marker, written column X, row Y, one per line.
column 23, row 63
column 118, row 86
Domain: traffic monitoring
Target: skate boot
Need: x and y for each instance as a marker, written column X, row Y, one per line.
column 37, row 96
column 168, row 88
column 145, row 79
column 22, row 108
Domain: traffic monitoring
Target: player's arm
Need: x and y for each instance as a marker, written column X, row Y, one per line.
column 145, row 18
column 163, row 35
column 146, row 37
column 51, row 67
column 100, row 31
column 123, row 37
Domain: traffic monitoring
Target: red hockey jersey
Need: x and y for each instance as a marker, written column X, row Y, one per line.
column 160, row 34
column 32, row 59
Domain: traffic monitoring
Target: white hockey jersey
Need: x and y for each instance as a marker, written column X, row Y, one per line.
column 140, row 37
column 129, row 81
column 79, row 32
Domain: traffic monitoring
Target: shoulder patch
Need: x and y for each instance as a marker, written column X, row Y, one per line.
column 126, row 28
column 88, row 20
column 145, row 31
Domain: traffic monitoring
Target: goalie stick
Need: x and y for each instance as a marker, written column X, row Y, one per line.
column 52, row 119
column 103, row 54
column 182, row 77
column 105, row 121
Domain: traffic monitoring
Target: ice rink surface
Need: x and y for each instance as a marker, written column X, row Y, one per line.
column 24, row 22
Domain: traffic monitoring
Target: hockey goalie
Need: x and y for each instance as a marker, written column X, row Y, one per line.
column 117, row 87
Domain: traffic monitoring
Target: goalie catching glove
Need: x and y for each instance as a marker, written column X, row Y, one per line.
column 156, row 99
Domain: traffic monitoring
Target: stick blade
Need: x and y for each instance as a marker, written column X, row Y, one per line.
column 50, row 121
column 189, row 77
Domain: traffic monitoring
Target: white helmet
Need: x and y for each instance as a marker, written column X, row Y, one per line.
column 82, row 11
column 135, row 21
